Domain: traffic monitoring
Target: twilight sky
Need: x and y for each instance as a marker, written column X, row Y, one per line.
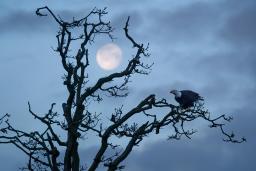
column 207, row 46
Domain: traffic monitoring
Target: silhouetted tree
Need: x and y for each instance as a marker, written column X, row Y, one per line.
column 43, row 147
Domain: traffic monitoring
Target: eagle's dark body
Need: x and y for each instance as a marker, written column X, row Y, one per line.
column 186, row 98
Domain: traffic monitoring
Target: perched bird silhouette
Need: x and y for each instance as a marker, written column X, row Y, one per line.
column 186, row 98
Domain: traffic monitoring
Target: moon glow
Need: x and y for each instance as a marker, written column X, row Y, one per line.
column 109, row 56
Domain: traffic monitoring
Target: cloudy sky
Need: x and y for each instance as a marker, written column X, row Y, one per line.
column 207, row 46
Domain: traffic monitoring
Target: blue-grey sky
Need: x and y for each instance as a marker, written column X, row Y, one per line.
column 207, row 46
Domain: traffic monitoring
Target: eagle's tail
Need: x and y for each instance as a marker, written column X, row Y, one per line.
column 201, row 98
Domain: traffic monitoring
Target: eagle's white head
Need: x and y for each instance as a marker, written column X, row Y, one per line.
column 176, row 93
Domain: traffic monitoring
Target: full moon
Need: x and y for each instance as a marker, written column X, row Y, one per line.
column 109, row 56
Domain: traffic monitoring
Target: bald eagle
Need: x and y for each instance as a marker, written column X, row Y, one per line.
column 186, row 98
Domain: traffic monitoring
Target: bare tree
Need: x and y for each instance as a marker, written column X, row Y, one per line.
column 43, row 147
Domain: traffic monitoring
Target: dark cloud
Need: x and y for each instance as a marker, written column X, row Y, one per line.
column 11, row 159
column 26, row 21
column 237, row 63
column 240, row 28
column 186, row 24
